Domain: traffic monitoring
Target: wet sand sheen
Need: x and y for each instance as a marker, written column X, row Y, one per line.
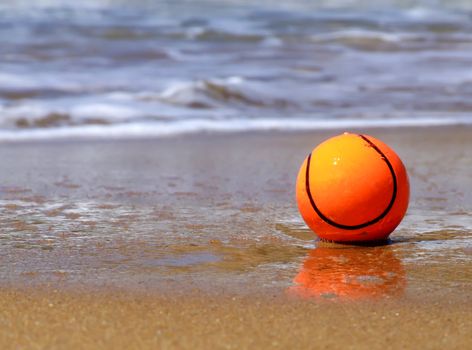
column 193, row 241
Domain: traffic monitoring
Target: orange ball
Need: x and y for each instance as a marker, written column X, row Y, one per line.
column 352, row 188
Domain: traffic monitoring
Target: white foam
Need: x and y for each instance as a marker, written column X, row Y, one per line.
column 272, row 41
column 179, row 88
column 361, row 34
column 430, row 14
column 15, row 81
column 104, row 110
column 234, row 80
column 194, row 126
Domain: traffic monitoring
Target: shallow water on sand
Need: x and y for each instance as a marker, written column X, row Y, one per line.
column 218, row 215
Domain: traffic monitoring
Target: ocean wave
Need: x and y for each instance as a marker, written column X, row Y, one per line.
column 360, row 34
column 219, row 34
column 212, row 93
column 374, row 39
column 201, row 126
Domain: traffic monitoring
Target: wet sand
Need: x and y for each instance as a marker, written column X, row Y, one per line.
column 196, row 242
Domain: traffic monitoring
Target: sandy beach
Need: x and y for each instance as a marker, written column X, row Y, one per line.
column 149, row 152
column 196, row 242
column 111, row 320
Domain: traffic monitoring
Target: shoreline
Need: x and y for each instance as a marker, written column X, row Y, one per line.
column 240, row 133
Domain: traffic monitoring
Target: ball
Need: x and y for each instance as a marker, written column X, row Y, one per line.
column 352, row 188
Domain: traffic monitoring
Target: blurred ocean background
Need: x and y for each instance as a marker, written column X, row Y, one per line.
column 79, row 69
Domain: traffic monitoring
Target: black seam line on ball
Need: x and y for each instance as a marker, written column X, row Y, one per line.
column 368, row 223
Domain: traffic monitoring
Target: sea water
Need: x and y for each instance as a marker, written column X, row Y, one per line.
column 115, row 69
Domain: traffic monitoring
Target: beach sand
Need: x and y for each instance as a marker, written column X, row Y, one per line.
column 111, row 320
column 196, row 242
